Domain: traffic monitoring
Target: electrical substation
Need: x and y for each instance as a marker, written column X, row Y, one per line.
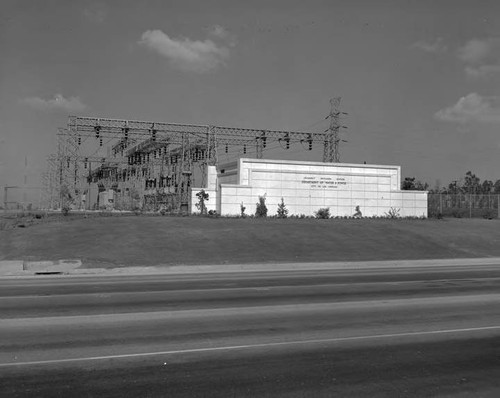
column 104, row 163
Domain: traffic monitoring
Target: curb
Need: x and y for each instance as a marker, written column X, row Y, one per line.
column 25, row 267
column 73, row 267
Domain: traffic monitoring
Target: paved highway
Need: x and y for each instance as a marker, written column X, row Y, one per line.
column 417, row 331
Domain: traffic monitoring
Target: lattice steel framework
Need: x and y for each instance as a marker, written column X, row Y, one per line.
column 151, row 158
column 331, row 151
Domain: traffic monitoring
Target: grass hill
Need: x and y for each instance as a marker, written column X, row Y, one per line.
column 147, row 240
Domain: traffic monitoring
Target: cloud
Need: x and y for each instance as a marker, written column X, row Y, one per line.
column 481, row 57
column 96, row 12
column 474, row 51
column 220, row 32
column 58, row 103
column 186, row 54
column 482, row 70
column 472, row 108
column 437, row 46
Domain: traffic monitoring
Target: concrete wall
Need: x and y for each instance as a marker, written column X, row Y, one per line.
column 211, row 189
column 308, row 186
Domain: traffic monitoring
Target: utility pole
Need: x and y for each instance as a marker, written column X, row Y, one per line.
column 331, row 145
column 5, row 190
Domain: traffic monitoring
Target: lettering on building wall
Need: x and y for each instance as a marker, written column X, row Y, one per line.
column 324, row 182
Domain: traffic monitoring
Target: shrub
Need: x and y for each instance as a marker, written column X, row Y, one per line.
column 323, row 213
column 358, row 213
column 490, row 214
column 282, row 210
column 393, row 213
column 458, row 212
column 434, row 213
column 242, row 210
column 261, row 209
column 212, row 213
column 65, row 210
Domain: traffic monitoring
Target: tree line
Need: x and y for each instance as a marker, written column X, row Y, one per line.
column 469, row 184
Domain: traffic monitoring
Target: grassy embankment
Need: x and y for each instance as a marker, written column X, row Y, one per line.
column 145, row 240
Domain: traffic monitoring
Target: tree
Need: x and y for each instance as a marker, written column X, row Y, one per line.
column 421, row 186
column 471, row 183
column 202, row 198
column 486, row 186
column 282, row 210
column 496, row 187
column 261, row 209
column 66, row 199
column 411, row 184
column 454, row 187
column 408, row 184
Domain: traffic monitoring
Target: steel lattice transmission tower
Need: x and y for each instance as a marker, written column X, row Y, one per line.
column 331, row 151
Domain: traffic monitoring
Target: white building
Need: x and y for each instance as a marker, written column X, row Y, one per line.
column 308, row 186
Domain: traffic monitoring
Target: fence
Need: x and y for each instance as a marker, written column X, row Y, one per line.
column 464, row 205
column 20, row 199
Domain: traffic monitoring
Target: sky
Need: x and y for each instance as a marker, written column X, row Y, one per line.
column 419, row 80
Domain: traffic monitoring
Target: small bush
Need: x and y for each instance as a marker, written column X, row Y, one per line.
column 393, row 213
column 490, row 214
column 434, row 213
column 458, row 212
column 358, row 213
column 261, row 209
column 282, row 210
column 322, row 213
column 212, row 213
column 242, row 210
column 65, row 210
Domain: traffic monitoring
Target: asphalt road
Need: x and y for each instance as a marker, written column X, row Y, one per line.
column 311, row 333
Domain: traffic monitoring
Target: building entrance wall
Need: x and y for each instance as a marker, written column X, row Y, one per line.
column 308, row 186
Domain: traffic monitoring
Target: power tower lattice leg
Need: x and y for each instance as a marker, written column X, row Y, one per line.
column 331, row 151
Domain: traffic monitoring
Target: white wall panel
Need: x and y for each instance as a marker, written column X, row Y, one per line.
column 307, row 186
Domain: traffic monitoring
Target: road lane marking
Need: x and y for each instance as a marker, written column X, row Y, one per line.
column 250, row 346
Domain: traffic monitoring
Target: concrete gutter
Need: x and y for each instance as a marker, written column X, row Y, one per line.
column 25, row 267
column 74, row 267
